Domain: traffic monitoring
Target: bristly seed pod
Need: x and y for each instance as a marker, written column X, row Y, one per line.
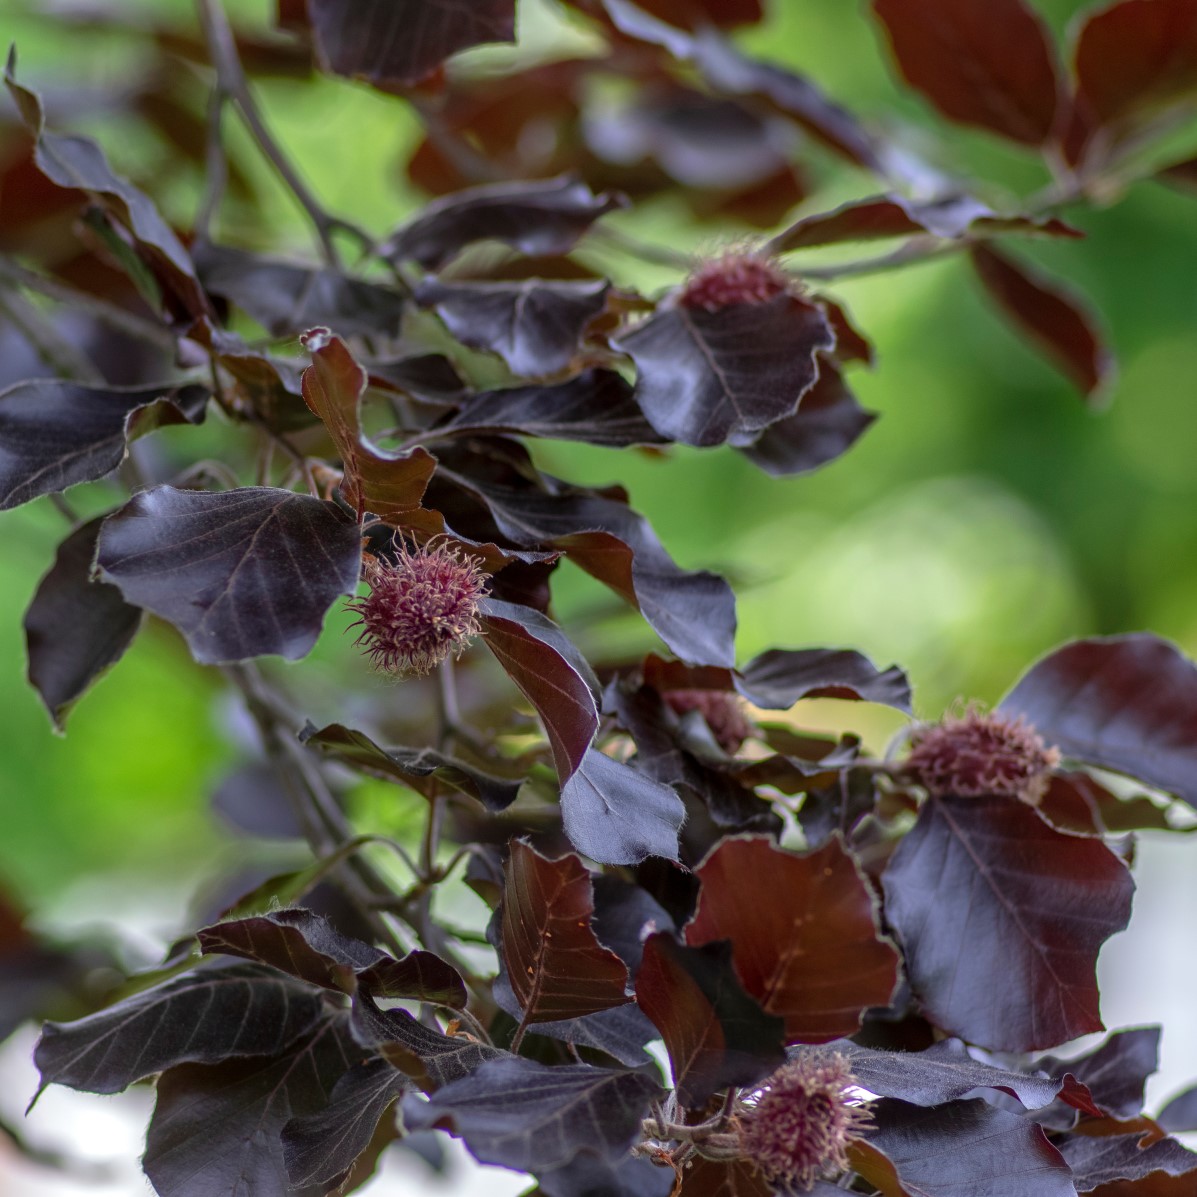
column 736, row 277
column 982, row 754
column 801, row 1124
column 420, row 610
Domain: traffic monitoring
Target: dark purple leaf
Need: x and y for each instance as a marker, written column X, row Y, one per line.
column 301, row 943
column 716, row 1034
column 943, row 1072
column 1133, row 59
column 217, row 1130
column 1101, row 1160
column 595, row 407
column 201, row 1017
column 963, row 1147
column 727, row 71
column 78, row 162
column 1116, row 1072
column 428, row 377
column 692, row 14
column 1075, row 802
column 804, row 933
column 556, row 966
column 285, row 298
column 429, row 1057
column 693, row 612
column 895, row 216
column 621, row 1032
column 56, row 434
column 709, row 377
column 535, row 325
column 389, row 485
column 782, row 676
column 1127, row 703
column 538, row 218
column 1180, row 1114
column 395, row 43
column 241, row 573
column 617, row 815
column 75, row 628
column 1054, row 320
column 523, row 1115
column 1001, row 918
column 421, row 769
column 624, row 916
column 828, row 422
column 551, row 674
column 321, row 1148
column 589, row 1176
column 989, row 64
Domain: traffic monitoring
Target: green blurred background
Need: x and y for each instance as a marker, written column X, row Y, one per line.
column 985, row 518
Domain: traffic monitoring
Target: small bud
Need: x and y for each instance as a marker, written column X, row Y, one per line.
column 800, row 1126
column 982, row 754
column 734, row 278
column 420, row 609
column 723, row 712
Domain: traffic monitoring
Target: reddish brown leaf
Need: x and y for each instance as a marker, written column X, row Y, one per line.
column 1075, row 802
column 1056, row 321
column 552, row 675
column 387, row 485
column 716, row 1178
column 716, row 1034
column 1134, row 58
column 981, row 62
column 804, row 933
column 1124, row 702
column 557, row 968
column 690, row 14
column 1002, row 918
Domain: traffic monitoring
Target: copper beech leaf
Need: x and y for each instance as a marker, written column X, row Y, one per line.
column 1127, row 703
column 1097, row 1161
column 388, row 485
column 535, row 325
column 557, row 968
column 961, row 1147
column 75, row 627
column 217, row 1130
column 307, row 946
column 322, row 1147
column 285, row 298
column 780, row 677
column 705, row 378
column 539, row 218
column 241, row 573
column 804, row 933
column 1116, row 1071
column 618, row 815
column 828, row 422
column 715, row 1033
column 551, row 673
column 989, row 64
column 733, row 1178
column 421, row 769
column 202, row 1017
column 54, row 434
column 595, row 407
column 1049, row 317
column 1001, row 918
column 945, row 1072
column 395, row 43
column 1133, row 59
column 524, row 1115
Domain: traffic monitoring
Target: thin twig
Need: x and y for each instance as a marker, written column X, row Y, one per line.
column 216, row 167
column 232, row 81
